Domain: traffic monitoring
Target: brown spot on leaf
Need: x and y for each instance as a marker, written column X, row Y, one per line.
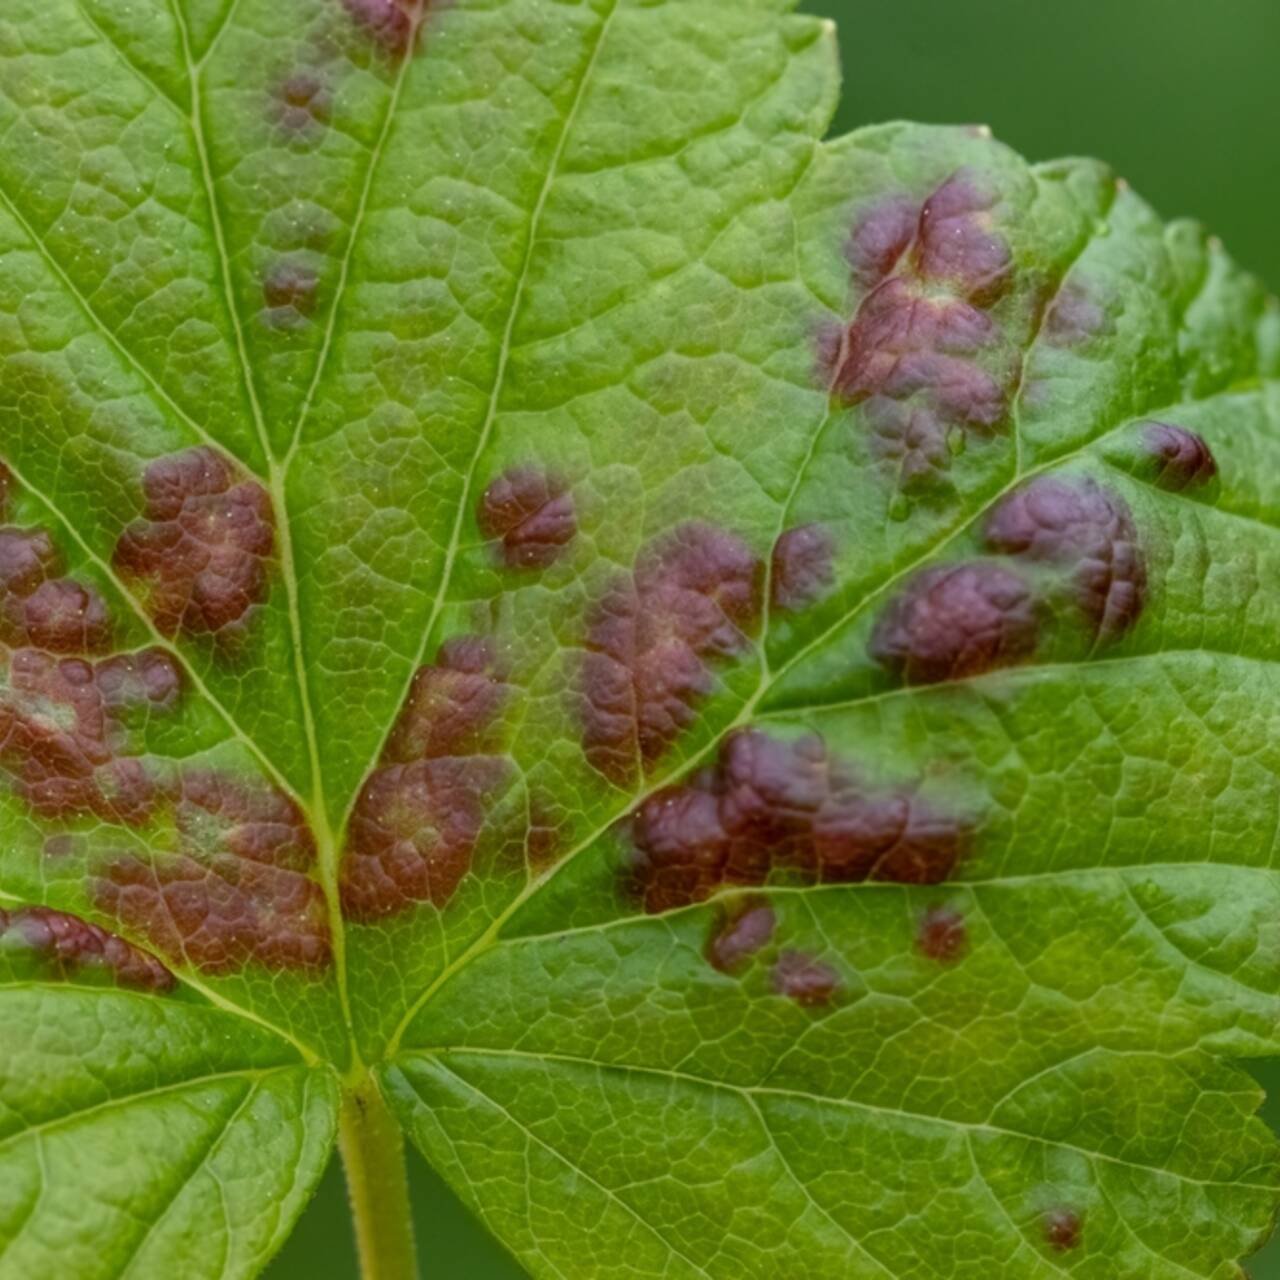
column 1062, row 1229
column 1182, row 459
column 771, row 806
column 910, row 356
column 200, row 556
column 416, row 821
column 805, row 980
column 881, row 237
column 61, row 616
column 1074, row 316
column 305, row 101
column 70, row 947
column 956, row 243
column 413, row 833
column 942, row 934
column 289, row 293
column 532, row 513
column 802, row 567
column 452, row 705
column 738, row 936
column 238, row 887
column 62, row 739
column 956, row 621
column 1079, row 524
column 27, row 558
column 391, row 23
column 691, row 600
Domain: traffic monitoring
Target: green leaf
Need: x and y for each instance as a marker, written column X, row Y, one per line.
column 727, row 678
column 143, row 1137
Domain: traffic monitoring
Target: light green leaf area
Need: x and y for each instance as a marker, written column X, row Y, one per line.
column 733, row 674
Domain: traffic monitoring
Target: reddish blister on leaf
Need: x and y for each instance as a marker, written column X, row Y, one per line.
column 1062, row 1229
column 942, row 935
column 770, row 806
column 1074, row 316
column 453, row 705
column 200, row 557
column 905, row 341
column 530, row 513
column 305, row 102
column 72, row 947
column 805, row 980
column 956, row 241
column 61, row 737
column 289, row 293
column 952, row 622
column 1181, row 458
column 150, row 678
column 693, row 599
column 1080, row 525
column 392, row 24
column 413, row 832
column 932, row 273
column 42, row 609
column 802, row 570
column 28, row 558
column 881, row 237
column 237, row 889
column 61, row 616
column 739, row 934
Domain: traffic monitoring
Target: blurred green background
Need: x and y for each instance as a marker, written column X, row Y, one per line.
column 1179, row 95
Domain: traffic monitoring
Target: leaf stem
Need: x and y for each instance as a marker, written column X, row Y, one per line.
column 372, row 1146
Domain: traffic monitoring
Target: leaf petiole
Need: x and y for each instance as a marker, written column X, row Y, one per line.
column 372, row 1146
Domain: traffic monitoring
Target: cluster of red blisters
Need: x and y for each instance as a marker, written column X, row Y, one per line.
column 931, row 273
column 236, row 885
column 200, row 557
column 959, row 620
column 62, row 710
column 69, row 947
column 771, row 807
column 419, row 815
column 694, row 597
